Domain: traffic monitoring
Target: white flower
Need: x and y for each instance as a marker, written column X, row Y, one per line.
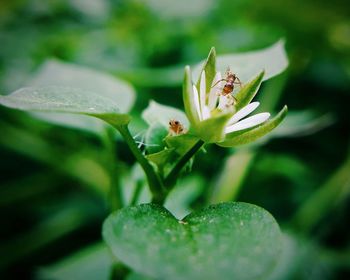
column 209, row 103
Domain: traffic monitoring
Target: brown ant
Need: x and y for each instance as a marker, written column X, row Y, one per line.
column 175, row 128
column 231, row 79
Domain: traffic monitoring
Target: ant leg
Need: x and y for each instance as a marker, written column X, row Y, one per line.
column 239, row 82
column 218, row 82
column 234, row 100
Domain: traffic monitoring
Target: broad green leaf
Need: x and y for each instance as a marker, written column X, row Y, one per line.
column 75, row 121
column 223, row 241
column 158, row 113
column 189, row 97
column 248, row 91
column 55, row 72
column 210, row 70
column 252, row 134
column 249, row 64
column 66, row 100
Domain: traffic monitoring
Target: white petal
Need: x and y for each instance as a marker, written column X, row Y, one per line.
column 196, row 102
column 202, row 91
column 245, row 111
column 248, row 122
column 213, row 94
column 206, row 112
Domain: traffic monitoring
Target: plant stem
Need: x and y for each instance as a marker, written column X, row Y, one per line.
column 170, row 180
column 115, row 188
column 154, row 182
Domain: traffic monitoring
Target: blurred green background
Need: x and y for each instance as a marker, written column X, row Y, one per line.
column 54, row 180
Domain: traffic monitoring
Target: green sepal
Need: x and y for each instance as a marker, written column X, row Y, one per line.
column 212, row 130
column 248, row 91
column 249, row 135
column 210, row 70
column 188, row 98
column 181, row 143
column 163, row 158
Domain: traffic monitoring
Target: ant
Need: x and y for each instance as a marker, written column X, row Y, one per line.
column 231, row 79
column 175, row 128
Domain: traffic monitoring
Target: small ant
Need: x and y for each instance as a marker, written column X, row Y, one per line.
column 231, row 79
column 175, row 128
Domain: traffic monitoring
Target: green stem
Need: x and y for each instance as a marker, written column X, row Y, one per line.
column 115, row 188
column 154, row 182
column 170, row 180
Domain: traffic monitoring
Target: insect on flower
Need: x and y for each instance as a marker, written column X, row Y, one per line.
column 231, row 79
column 176, row 128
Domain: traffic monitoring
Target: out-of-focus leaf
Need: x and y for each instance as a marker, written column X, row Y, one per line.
column 273, row 60
column 158, row 113
column 248, row 91
column 302, row 123
column 185, row 192
column 224, row 241
column 236, row 167
column 90, row 263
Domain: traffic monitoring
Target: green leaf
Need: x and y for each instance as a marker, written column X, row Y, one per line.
column 75, row 121
column 54, row 72
column 248, row 91
column 188, row 98
column 210, row 70
column 223, row 241
column 252, row 134
column 66, row 100
column 249, row 64
column 162, row 114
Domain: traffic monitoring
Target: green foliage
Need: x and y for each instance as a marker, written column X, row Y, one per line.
column 222, row 241
column 66, row 182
